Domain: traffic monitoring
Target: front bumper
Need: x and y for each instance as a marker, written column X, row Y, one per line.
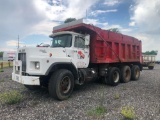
column 27, row 80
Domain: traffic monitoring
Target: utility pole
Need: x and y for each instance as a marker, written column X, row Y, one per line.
column 18, row 41
column 86, row 14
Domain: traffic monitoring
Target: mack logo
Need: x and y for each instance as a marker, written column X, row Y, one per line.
column 43, row 51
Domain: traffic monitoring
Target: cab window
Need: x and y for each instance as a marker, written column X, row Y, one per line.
column 79, row 42
column 64, row 40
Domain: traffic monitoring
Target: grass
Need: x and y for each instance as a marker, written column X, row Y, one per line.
column 1, row 80
column 1, row 70
column 34, row 103
column 124, row 88
column 116, row 96
column 128, row 112
column 98, row 111
column 11, row 97
column 6, row 64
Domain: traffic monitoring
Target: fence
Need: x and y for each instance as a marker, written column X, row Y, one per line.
column 6, row 64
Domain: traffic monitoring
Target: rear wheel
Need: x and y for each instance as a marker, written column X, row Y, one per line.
column 114, row 76
column 150, row 67
column 135, row 72
column 61, row 84
column 125, row 74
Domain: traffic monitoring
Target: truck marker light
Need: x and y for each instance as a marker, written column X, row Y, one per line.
column 37, row 65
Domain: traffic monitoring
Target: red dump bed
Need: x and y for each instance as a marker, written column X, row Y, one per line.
column 106, row 46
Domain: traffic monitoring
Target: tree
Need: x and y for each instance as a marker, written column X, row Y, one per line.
column 69, row 20
column 152, row 52
column 114, row 30
column 1, row 54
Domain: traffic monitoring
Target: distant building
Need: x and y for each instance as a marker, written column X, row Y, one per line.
column 9, row 55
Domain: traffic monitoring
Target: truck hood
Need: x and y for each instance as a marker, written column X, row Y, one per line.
column 43, row 52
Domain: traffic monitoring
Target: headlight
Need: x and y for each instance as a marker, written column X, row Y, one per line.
column 37, row 65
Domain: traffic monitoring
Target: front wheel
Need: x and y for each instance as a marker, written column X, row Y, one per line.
column 114, row 76
column 61, row 84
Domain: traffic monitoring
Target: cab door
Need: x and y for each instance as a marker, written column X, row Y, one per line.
column 81, row 52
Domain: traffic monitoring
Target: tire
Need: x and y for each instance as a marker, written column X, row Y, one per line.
column 135, row 72
column 104, row 80
column 33, row 87
column 114, row 76
column 61, row 84
column 150, row 67
column 125, row 74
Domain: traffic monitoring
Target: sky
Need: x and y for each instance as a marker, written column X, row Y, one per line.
column 33, row 20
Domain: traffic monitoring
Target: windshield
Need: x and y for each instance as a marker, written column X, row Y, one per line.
column 64, row 40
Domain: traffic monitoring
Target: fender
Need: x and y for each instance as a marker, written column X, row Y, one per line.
column 63, row 65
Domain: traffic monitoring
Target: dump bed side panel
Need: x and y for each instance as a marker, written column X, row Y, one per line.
column 113, row 47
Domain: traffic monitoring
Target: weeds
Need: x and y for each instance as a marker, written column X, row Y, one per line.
column 116, row 96
column 34, row 103
column 11, row 97
column 128, row 112
column 98, row 111
column 102, row 97
column 124, row 88
column 1, row 80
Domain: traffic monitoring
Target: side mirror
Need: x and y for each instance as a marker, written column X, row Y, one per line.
column 87, row 40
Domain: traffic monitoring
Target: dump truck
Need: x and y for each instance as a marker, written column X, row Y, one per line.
column 149, row 61
column 79, row 53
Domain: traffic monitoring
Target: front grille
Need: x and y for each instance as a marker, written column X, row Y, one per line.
column 22, row 57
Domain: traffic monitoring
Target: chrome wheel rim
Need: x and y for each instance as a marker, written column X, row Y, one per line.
column 137, row 72
column 65, row 85
column 115, row 76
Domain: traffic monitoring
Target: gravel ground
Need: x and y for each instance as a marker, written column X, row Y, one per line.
column 143, row 95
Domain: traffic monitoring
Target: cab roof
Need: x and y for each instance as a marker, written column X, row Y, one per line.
column 64, row 32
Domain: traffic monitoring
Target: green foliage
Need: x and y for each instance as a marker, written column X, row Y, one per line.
column 124, row 88
column 98, row 111
column 102, row 97
column 69, row 20
column 116, row 30
column 1, row 70
column 152, row 52
column 128, row 112
column 116, row 96
column 11, row 97
column 1, row 54
column 2, row 80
